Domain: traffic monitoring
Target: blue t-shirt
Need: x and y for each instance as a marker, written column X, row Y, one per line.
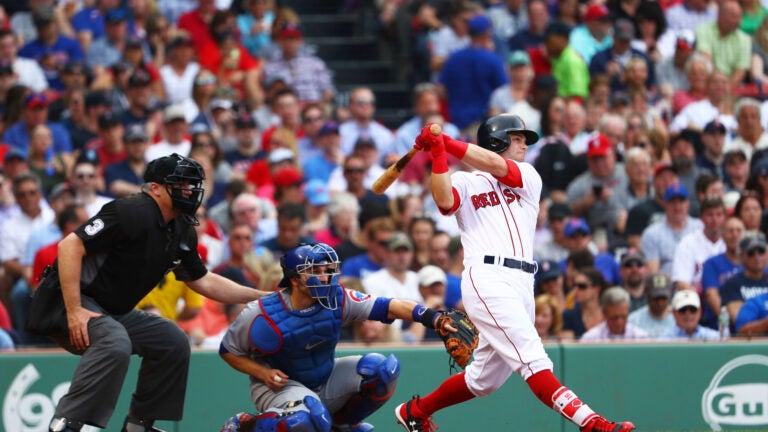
column 470, row 75
column 64, row 50
column 742, row 288
column 17, row 136
column 121, row 171
column 89, row 19
column 359, row 266
column 715, row 272
column 318, row 168
column 753, row 309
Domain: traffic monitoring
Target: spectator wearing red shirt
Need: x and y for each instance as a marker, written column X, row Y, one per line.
column 234, row 67
column 196, row 23
column 68, row 220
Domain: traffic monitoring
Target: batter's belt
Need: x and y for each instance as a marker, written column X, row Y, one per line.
column 511, row 263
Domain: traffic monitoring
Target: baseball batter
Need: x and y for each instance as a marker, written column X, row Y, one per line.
column 286, row 343
column 496, row 209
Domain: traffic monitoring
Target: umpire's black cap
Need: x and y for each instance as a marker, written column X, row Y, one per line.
column 159, row 169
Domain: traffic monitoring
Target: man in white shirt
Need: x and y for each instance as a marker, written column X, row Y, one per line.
column 175, row 128
column 696, row 247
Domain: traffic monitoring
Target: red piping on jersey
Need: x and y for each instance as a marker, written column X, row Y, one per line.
column 509, row 229
column 514, row 221
column 514, row 177
column 519, row 357
column 456, row 203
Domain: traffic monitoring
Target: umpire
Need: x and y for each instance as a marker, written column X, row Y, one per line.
column 104, row 268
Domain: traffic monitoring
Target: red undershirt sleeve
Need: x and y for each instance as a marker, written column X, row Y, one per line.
column 514, row 177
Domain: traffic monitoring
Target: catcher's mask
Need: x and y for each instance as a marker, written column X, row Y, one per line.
column 493, row 134
column 309, row 260
column 183, row 179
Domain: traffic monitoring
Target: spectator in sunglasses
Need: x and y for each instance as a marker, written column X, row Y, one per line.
column 686, row 308
column 752, row 281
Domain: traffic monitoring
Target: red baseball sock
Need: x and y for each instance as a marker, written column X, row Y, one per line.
column 555, row 395
column 451, row 392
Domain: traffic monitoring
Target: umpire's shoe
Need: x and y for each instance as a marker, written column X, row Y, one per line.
column 133, row 425
column 410, row 422
column 60, row 424
column 600, row 424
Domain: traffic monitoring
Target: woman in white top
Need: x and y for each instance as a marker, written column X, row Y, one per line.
column 179, row 74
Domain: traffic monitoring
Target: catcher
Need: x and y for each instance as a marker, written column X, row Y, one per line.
column 286, row 341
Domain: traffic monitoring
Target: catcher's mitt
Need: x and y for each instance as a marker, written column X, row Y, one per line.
column 462, row 344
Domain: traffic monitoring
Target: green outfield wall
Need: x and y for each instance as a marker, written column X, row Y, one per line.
column 675, row 387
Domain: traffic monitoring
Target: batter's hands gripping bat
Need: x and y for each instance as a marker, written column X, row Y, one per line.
column 393, row 172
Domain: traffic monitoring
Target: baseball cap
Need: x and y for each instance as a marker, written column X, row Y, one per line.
column 675, row 191
column 544, row 82
column 751, row 242
column 290, row 30
column 287, row 176
column 365, row 142
column 173, row 112
column 59, row 190
column 399, row 240
column 135, row 132
column 245, row 121
column 114, row 16
column 221, row 103
column 658, row 285
column 316, row 192
column 686, row 40
column 279, row 155
column 599, row 145
column 328, row 128
column 479, row 24
column 623, row 29
column 548, row 270
column 715, row 126
column 597, row 11
column 663, row 167
column 158, row 169
column 558, row 28
column 576, row 225
column 14, row 153
column 108, row 120
column 431, row 274
column 518, row 58
column 632, row 256
column 685, row 298
column 139, row 78
column 36, row 100
column 198, row 128
column 558, row 211
column 96, row 98
column 133, row 42
column 43, row 15
column 618, row 98
column 180, row 40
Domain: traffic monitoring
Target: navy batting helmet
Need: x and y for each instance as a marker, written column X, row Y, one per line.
column 302, row 259
column 183, row 179
column 493, row 133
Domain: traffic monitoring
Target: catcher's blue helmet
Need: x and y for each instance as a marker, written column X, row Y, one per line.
column 302, row 260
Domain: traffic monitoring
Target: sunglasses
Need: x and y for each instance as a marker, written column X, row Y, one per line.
column 382, row 243
column 84, row 176
column 581, row 285
column 354, row 170
column 365, row 102
column 688, row 309
column 631, row 264
column 242, row 237
column 312, row 119
column 756, row 251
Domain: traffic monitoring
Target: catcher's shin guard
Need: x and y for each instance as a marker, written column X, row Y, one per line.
column 313, row 417
column 379, row 381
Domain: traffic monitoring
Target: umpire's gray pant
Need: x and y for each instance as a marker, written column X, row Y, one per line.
column 99, row 376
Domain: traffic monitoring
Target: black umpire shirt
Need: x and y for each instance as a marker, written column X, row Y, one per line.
column 129, row 248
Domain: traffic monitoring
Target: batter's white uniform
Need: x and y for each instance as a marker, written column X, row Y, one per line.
column 499, row 221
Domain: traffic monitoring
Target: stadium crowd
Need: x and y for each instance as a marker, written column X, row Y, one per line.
column 654, row 153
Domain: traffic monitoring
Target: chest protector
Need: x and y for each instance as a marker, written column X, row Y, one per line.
column 301, row 343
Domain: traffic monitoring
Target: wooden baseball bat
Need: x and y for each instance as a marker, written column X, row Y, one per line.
column 393, row 172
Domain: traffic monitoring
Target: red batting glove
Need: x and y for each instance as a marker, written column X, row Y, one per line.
column 420, row 145
column 436, row 145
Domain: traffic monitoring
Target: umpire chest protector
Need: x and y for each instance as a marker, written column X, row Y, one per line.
column 302, row 343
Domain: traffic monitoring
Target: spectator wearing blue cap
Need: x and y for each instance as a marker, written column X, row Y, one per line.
column 660, row 239
column 320, row 166
column 555, row 248
column 36, row 113
column 51, row 49
column 470, row 75
column 578, row 237
column 107, row 50
column 549, row 280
